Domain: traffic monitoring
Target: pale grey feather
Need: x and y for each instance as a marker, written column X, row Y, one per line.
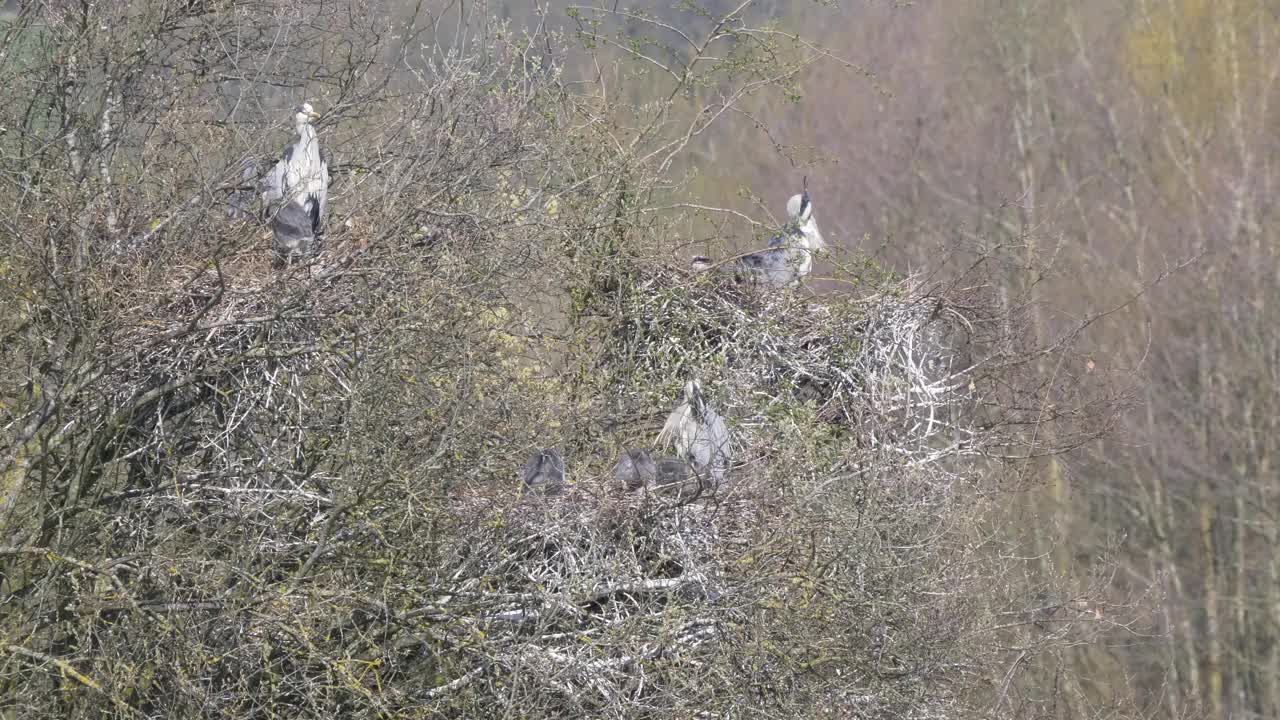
column 698, row 434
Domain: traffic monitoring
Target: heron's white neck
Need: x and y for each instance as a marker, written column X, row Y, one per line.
column 307, row 132
column 812, row 237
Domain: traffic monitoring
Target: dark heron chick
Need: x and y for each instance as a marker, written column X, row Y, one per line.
column 635, row 469
column 672, row 470
column 544, row 472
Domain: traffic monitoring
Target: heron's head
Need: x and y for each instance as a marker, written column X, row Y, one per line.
column 800, row 212
column 693, row 394
column 304, row 114
column 799, row 209
column 700, row 263
column 553, row 459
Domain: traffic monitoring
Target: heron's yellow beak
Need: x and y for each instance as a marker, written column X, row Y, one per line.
column 313, row 115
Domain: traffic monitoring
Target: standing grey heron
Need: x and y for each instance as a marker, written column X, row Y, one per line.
column 635, row 469
column 698, row 434
column 544, row 472
column 296, row 190
column 789, row 257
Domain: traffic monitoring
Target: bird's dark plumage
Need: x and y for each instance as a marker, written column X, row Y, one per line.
column 544, row 472
column 635, row 469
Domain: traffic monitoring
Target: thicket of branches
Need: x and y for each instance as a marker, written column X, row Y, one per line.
column 233, row 491
column 1122, row 143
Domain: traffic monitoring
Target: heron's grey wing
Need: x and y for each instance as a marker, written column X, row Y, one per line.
column 291, row 228
column 768, row 260
column 715, row 447
column 700, row 448
column 770, row 265
column 312, row 205
column 722, row 442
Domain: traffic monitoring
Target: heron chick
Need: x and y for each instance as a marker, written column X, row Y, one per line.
column 544, row 472
column 635, row 469
column 671, row 471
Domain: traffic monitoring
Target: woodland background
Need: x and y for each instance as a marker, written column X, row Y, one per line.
column 1117, row 141
column 1114, row 166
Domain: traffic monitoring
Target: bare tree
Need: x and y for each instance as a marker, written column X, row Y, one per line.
column 233, row 490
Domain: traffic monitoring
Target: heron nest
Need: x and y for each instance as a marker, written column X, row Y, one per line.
column 590, row 594
column 889, row 366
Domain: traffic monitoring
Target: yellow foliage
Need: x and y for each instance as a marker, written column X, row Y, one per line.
column 1202, row 54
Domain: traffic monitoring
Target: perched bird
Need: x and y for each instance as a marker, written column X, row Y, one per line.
column 544, row 472
column 296, row 190
column 698, row 434
column 789, row 257
column 635, row 469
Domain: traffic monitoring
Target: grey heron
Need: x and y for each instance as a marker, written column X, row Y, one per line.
column 789, row 257
column 544, row 472
column 635, row 469
column 698, row 434
column 296, row 190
